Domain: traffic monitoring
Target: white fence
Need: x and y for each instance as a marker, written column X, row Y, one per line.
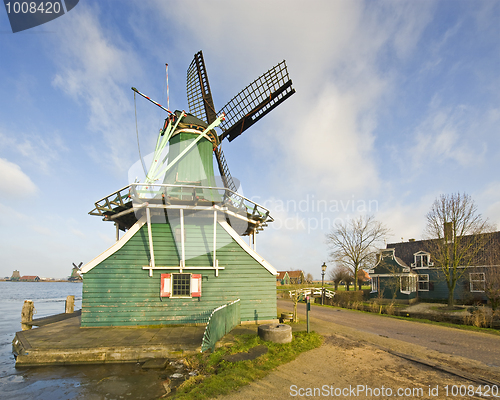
column 313, row 291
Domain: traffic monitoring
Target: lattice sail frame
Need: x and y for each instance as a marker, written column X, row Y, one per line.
column 255, row 101
column 199, row 95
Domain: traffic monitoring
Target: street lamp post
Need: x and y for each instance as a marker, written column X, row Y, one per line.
column 323, row 269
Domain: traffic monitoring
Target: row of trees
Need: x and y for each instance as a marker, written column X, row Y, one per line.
column 460, row 235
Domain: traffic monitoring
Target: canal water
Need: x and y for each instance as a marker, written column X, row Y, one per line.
column 109, row 381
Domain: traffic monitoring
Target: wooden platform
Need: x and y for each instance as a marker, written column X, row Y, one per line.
column 53, row 318
column 65, row 342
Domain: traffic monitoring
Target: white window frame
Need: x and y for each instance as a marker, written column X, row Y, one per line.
column 374, row 284
column 425, row 281
column 411, row 285
column 425, row 260
column 481, row 281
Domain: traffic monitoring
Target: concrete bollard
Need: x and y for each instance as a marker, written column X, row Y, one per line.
column 27, row 314
column 70, row 304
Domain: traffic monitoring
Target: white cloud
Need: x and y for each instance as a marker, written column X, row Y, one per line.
column 13, row 181
column 95, row 66
column 446, row 135
column 40, row 150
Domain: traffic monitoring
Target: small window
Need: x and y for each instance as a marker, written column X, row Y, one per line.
column 422, row 261
column 477, row 281
column 375, row 284
column 423, row 283
column 181, row 285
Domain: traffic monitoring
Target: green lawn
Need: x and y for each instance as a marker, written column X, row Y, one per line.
column 218, row 377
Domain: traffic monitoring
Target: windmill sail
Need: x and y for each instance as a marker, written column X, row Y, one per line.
column 201, row 105
column 199, row 96
column 255, row 101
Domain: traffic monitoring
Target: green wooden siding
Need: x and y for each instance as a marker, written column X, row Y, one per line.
column 387, row 264
column 438, row 289
column 118, row 292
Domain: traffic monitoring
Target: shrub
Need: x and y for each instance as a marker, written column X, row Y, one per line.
column 478, row 316
column 342, row 299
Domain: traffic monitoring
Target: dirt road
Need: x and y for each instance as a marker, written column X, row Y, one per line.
column 360, row 362
column 477, row 346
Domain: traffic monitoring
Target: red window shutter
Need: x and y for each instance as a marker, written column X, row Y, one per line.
column 166, row 284
column 196, row 285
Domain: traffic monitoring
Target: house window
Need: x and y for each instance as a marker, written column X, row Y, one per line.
column 375, row 284
column 408, row 284
column 422, row 261
column 477, row 281
column 180, row 285
column 423, row 283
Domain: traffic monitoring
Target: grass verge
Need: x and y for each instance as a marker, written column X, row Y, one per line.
column 218, row 377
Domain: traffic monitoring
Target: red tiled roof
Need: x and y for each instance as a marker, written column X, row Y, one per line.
column 281, row 275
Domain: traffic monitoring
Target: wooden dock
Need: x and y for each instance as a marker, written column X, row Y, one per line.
column 65, row 342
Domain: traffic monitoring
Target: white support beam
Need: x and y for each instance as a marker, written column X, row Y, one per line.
column 214, row 257
column 183, row 248
column 150, row 237
column 178, row 267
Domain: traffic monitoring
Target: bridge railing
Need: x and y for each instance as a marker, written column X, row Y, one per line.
column 314, row 291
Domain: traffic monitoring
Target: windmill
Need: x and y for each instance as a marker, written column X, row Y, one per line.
column 183, row 255
column 75, row 272
column 185, row 175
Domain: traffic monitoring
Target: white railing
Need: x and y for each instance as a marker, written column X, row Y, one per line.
column 142, row 192
column 314, row 291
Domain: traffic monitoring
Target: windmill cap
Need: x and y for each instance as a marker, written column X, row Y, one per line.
column 189, row 121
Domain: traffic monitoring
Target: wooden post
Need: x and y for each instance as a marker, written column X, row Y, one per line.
column 27, row 314
column 70, row 304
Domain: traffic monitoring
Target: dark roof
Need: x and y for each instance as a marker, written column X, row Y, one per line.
column 406, row 250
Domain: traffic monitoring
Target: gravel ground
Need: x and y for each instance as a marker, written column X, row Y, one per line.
column 351, row 363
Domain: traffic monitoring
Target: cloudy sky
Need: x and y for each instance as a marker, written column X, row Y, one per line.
column 397, row 102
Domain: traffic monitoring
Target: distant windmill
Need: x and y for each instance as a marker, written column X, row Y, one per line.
column 75, row 273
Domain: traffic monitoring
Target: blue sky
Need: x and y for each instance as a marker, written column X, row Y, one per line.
column 397, row 102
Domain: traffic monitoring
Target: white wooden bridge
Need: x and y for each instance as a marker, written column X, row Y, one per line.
column 314, row 291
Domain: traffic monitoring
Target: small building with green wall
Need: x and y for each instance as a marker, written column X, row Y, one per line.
column 121, row 286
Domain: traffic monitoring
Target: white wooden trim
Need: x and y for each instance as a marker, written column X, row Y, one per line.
column 150, row 238
column 247, row 248
column 115, row 247
column 183, row 251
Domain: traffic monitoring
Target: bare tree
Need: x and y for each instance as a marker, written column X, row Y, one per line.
column 492, row 286
column 309, row 278
column 460, row 235
column 338, row 274
column 354, row 244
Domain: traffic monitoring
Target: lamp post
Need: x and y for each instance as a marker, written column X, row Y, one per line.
column 323, row 269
